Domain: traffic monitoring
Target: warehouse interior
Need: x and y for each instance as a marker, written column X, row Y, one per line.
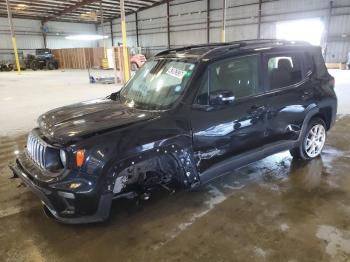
column 55, row 53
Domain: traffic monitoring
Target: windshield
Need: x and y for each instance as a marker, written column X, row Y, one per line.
column 158, row 84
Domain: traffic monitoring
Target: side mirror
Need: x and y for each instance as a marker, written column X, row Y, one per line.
column 221, row 97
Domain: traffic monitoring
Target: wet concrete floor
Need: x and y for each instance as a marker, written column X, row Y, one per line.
column 276, row 209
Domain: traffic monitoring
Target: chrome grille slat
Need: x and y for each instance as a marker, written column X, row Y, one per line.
column 36, row 150
column 31, row 146
column 40, row 155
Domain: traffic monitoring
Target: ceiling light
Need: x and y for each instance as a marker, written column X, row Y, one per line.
column 86, row 37
column 21, row 7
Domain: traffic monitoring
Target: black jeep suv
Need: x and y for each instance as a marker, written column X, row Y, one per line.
column 188, row 116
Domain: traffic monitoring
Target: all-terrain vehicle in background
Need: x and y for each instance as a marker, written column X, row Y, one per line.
column 189, row 115
column 43, row 59
column 5, row 67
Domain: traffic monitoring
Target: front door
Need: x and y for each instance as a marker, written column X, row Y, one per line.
column 222, row 130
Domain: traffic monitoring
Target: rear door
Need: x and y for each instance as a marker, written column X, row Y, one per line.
column 289, row 92
column 224, row 131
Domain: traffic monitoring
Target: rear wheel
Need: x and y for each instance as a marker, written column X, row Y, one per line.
column 312, row 141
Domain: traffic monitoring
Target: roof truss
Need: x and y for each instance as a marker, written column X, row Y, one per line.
column 86, row 11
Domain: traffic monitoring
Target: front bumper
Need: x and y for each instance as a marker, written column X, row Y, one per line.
column 66, row 206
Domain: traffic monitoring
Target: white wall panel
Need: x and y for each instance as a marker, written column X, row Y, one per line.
column 29, row 36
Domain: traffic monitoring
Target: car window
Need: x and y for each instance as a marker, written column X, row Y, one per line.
column 283, row 70
column 308, row 62
column 202, row 97
column 158, row 84
column 237, row 75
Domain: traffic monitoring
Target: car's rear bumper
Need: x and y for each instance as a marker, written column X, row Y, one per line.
column 66, row 206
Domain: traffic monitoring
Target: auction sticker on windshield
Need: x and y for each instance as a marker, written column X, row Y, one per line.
column 176, row 72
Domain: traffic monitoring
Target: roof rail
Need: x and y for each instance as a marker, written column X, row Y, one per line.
column 238, row 44
column 234, row 44
column 275, row 40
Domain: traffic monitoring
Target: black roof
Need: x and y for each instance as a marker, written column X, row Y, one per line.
column 208, row 51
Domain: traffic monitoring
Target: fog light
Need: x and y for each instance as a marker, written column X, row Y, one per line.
column 74, row 185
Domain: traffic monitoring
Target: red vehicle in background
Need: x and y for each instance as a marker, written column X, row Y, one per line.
column 137, row 61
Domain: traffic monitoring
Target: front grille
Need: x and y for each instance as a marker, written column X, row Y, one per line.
column 36, row 149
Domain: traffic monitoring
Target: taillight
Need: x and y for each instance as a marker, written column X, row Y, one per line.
column 80, row 157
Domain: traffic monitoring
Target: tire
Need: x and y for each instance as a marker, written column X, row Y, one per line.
column 34, row 65
column 50, row 66
column 312, row 142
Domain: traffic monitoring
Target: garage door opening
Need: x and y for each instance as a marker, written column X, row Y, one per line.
column 309, row 30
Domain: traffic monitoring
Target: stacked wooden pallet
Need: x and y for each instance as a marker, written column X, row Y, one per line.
column 341, row 66
column 79, row 58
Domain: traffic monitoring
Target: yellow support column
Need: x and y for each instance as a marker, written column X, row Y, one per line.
column 104, row 59
column 125, row 49
column 14, row 45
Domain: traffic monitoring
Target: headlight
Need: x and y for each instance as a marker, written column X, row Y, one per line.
column 63, row 157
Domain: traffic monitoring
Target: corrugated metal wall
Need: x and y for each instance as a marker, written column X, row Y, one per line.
column 188, row 22
column 29, row 36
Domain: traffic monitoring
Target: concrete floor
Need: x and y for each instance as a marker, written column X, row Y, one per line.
column 275, row 209
column 27, row 96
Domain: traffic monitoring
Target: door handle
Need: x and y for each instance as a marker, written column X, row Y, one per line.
column 307, row 94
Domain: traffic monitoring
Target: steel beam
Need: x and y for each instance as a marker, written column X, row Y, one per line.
column 168, row 21
column 43, row 33
column 208, row 21
column 111, row 25
column 13, row 38
column 223, row 30
column 137, row 29
column 70, row 9
column 103, row 32
column 133, row 5
column 326, row 38
column 259, row 18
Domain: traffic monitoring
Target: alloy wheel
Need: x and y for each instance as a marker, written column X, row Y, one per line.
column 314, row 140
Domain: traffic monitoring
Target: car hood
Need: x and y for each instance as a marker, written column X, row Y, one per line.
column 70, row 123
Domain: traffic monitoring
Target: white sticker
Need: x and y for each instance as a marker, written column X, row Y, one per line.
column 176, row 72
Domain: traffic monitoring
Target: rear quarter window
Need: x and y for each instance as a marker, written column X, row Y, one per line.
column 284, row 70
column 320, row 66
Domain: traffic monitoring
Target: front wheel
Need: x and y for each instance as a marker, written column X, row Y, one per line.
column 34, row 65
column 312, row 141
column 50, row 65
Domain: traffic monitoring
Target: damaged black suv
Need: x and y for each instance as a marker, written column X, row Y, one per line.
column 189, row 115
